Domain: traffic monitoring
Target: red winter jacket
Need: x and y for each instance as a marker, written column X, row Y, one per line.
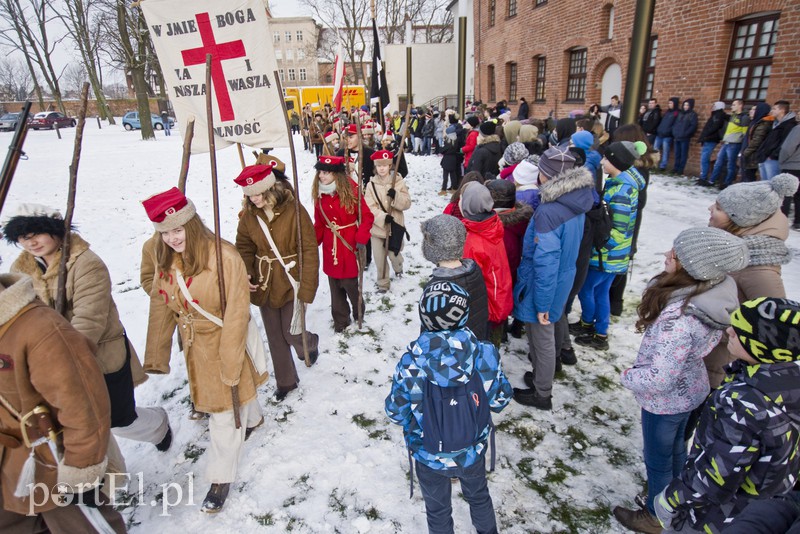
column 337, row 260
column 484, row 244
column 469, row 146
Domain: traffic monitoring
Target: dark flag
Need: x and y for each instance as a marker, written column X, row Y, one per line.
column 379, row 89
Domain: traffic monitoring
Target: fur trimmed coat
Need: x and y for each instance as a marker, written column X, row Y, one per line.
column 215, row 357
column 402, row 201
column 46, row 361
column 90, row 306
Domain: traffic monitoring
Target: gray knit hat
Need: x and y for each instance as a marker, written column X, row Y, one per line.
column 554, row 161
column 443, row 238
column 476, row 202
column 750, row 203
column 515, row 152
column 710, row 253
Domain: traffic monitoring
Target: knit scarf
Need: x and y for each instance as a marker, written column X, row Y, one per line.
column 327, row 189
column 766, row 250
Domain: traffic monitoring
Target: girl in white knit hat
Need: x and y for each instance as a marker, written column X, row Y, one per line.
column 683, row 313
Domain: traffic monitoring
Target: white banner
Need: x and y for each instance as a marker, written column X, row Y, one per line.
column 246, row 103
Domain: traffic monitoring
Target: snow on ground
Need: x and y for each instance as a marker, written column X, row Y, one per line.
column 327, row 459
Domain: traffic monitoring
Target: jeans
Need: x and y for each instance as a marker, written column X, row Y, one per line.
column 436, row 491
column 769, row 169
column 663, row 144
column 664, row 450
column 705, row 158
column 426, row 145
column 681, row 155
column 729, row 153
column 595, row 302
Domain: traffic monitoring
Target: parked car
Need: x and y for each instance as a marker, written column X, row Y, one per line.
column 131, row 121
column 48, row 120
column 9, row 121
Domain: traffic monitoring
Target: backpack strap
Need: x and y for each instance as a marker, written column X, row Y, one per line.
column 491, row 444
column 410, row 474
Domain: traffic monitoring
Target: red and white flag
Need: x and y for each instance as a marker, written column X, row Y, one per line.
column 338, row 77
column 246, row 103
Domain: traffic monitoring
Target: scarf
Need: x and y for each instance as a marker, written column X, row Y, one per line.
column 327, row 189
column 766, row 250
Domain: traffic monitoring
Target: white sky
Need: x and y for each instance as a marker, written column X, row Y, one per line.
column 287, row 8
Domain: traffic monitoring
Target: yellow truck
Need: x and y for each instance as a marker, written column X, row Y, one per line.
column 318, row 96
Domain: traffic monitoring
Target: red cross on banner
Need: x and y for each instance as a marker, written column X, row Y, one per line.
column 219, row 52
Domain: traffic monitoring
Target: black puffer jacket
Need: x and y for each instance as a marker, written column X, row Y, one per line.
column 668, row 119
column 714, row 128
column 745, row 445
column 486, row 157
column 470, row 277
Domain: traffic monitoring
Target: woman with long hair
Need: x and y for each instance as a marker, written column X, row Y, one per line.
column 683, row 312
column 91, row 309
column 342, row 224
column 186, row 293
column 267, row 241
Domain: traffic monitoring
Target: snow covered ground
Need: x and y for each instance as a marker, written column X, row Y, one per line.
column 327, row 459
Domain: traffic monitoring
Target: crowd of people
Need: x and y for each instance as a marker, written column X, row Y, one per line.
column 540, row 212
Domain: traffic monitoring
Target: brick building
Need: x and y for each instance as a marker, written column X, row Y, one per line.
column 564, row 55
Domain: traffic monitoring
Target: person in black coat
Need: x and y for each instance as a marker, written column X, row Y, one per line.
column 522, row 112
column 710, row 136
column 684, row 128
column 664, row 131
column 451, row 155
column 651, row 120
column 486, row 157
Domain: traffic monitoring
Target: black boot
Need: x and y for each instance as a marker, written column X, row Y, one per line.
column 163, row 445
column 215, row 498
column 568, row 356
column 516, row 329
column 529, row 397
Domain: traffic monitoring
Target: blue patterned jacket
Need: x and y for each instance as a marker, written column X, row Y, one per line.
column 446, row 358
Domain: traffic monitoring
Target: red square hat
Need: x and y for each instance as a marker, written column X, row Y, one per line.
column 351, row 130
column 331, row 136
column 255, row 179
column 330, row 164
column 368, row 128
column 169, row 210
column 385, row 156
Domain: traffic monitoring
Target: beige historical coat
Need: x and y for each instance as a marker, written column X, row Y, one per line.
column 402, row 201
column 90, row 306
column 46, row 361
column 215, row 357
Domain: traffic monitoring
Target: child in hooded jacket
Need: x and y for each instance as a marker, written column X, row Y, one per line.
column 447, row 353
column 341, row 234
column 683, row 313
column 485, row 245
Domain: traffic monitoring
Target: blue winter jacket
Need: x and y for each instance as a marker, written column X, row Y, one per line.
column 593, row 159
column 447, row 358
column 529, row 197
column 550, row 246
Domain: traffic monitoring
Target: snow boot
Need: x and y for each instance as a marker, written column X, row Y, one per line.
column 529, row 397
column 638, row 520
column 580, row 328
column 281, row 393
column 215, row 498
column 249, row 430
column 164, row 444
column 568, row 356
column 593, row 341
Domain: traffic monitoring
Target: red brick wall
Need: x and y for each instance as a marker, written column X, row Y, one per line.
column 694, row 39
column 118, row 106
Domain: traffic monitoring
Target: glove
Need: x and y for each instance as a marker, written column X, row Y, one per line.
column 391, row 193
column 389, row 219
column 665, row 513
column 360, row 246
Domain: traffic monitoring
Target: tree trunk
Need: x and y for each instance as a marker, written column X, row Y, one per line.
column 136, row 69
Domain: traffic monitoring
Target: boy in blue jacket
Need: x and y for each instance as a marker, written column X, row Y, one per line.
column 447, row 354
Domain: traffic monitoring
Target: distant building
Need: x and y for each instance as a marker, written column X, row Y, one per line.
column 568, row 54
column 295, row 41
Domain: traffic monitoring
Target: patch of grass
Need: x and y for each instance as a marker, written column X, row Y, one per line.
column 343, row 346
column 603, row 383
column 170, row 394
column 594, row 519
column 529, row 437
column 193, row 452
column 578, row 440
column 363, row 421
column 265, row 520
column 602, row 416
column 617, row 456
column 336, row 503
column 291, row 501
column 559, row 472
column 385, row 305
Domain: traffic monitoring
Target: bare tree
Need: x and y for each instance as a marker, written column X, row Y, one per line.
column 81, row 18
column 351, row 18
column 74, row 78
column 24, row 28
column 15, row 79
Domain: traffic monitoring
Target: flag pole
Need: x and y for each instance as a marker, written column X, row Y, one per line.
column 296, row 221
column 361, row 261
column 217, row 232
column 394, row 181
column 188, row 136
